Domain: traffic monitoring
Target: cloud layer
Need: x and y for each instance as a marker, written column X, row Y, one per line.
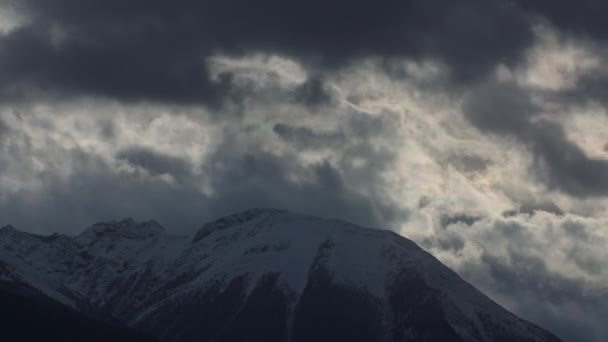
column 476, row 128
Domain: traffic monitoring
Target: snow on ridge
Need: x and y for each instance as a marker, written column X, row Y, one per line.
column 7, row 228
column 110, row 260
column 258, row 242
column 128, row 228
column 234, row 220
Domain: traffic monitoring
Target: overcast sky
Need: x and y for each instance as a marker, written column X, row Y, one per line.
column 477, row 128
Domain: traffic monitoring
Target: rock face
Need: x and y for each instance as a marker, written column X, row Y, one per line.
column 260, row 275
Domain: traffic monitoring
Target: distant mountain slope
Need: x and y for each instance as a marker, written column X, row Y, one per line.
column 261, row 275
column 28, row 315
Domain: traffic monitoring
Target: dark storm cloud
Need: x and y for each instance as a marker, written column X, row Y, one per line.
column 548, row 207
column 155, row 49
column 531, row 208
column 507, row 109
column 305, row 138
column 313, row 92
column 458, row 218
column 586, row 17
column 146, row 66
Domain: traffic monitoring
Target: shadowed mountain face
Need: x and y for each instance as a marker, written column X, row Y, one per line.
column 260, row 275
column 28, row 315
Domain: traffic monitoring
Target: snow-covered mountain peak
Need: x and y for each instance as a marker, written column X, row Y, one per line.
column 8, row 229
column 299, row 277
column 234, row 220
column 9, row 234
column 126, row 228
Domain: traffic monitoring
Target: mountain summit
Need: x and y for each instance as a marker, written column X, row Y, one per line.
column 260, row 275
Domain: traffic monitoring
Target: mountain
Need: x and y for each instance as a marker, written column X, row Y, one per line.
column 29, row 315
column 260, row 275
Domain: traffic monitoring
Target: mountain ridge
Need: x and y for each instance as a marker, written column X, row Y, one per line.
column 215, row 284
column 29, row 315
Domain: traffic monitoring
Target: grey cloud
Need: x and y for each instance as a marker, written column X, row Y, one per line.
column 260, row 180
column 531, row 207
column 517, row 268
column 363, row 126
column 548, row 207
column 566, row 166
column 313, row 92
column 574, row 313
column 96, row 193
column 4, row 130
column 507, row 109
column 306, row 138
column 107, row 129
column 576, row 231
column 329, row 188
column 500, row 108
column 586, row 260
column 449, row 242
column 155, row 162
column 152, row 51
column 458, row 218
column 543, row 269
column 423, row 202
column 590, row 87
column 513, row 231
column 468, row 163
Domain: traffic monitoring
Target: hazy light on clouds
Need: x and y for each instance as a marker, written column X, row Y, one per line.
column 557, row 63
column 473, row 173
column 11, row 18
